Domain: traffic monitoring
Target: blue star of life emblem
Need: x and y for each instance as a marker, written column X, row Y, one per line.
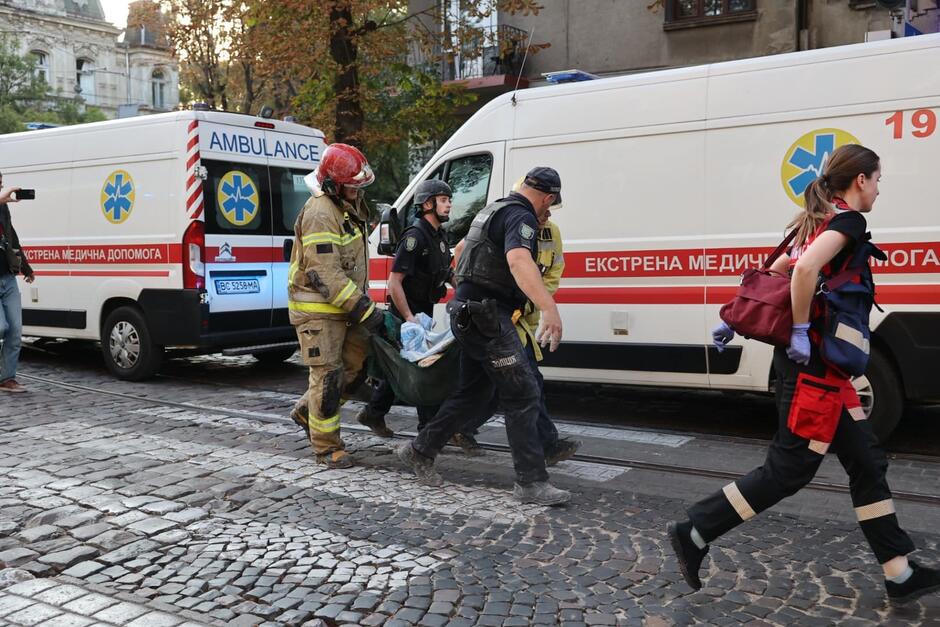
column 239, row 198
column 118, row 202
column 810, row 163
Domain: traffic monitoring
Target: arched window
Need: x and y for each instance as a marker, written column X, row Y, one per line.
column 85, row 79
column 41, row 60
column 158, row 89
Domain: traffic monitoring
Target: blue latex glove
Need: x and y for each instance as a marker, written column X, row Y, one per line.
column 799, row 349
column 721, row 335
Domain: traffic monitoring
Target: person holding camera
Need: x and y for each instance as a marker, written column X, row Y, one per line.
column 12, row 262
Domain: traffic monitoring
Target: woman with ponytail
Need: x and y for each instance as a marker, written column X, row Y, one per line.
column 818, row 408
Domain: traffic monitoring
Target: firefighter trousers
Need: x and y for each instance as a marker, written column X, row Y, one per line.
column 792, row 461
column 336, row 354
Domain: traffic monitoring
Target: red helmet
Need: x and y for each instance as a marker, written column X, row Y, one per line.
column 345, row 166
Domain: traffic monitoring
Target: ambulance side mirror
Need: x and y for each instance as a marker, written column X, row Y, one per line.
column 201, row 172
column 389, row 229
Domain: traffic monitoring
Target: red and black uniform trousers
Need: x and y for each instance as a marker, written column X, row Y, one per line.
column 817, row 411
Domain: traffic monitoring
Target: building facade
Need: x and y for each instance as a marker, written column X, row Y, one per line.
column 612, row 37
column 83, row 56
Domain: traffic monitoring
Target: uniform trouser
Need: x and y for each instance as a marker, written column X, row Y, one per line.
column 548, row 433
column 336, row 353
column 490, row 363
column 792, row 462
column 383, row 397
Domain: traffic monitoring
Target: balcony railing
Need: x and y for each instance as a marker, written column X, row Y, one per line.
column 491, row 51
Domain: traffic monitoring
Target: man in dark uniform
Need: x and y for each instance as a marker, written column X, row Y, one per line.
column 420, row 272
column 496, row 275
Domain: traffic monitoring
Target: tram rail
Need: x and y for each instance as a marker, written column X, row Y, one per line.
column 824, row 486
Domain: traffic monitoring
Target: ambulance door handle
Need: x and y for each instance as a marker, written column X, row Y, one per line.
column 288, row 249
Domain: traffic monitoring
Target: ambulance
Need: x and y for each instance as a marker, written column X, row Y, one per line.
column 675, row 181
column 170, row 231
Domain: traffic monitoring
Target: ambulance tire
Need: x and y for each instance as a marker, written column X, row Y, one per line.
column 140, row 358
column 883, row 396
column 275, row 356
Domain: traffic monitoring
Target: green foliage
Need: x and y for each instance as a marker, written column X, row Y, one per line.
column 24, row 97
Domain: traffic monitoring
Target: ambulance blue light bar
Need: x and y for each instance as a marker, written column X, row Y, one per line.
column 568, row 76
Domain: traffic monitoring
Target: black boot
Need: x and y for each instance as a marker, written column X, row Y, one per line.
column 564, row 449
column 375, row 423
column 690, row 556
column 923, row 581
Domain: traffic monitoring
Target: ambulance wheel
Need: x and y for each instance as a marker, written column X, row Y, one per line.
column 128, row 351
column 275, row 356
column 882, row 398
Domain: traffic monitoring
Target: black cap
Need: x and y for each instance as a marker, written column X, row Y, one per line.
column 545, row 180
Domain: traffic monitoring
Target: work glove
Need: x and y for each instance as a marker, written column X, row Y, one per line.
column 799, row 349
column 375, row 322
column 721, row 335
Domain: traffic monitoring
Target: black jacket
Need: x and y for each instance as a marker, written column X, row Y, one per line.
column 14, row 259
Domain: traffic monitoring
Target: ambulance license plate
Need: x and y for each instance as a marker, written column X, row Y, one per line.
column 237, row 286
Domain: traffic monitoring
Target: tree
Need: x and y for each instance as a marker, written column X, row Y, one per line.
column 368, row 72
column 24, row 94
column 214, row 41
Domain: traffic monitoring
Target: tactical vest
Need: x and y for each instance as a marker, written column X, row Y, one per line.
column 426, row 285
column 483, row 263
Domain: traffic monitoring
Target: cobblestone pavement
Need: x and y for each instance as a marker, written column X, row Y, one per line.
column 131, row 511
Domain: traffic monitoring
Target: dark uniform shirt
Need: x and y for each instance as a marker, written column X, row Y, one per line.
column 853, row 225
column 512, row 227
column 422, row 254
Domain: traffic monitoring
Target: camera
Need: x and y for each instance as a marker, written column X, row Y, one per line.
column 26, row 194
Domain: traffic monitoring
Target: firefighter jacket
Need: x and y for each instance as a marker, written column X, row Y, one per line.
column 328, row 275
column 551, row 263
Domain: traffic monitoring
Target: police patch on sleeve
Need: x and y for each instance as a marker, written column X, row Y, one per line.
column 411, row 242
column 526, row 231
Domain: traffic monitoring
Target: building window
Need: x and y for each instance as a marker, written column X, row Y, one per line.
column 85, row 79
column 158, row 89
column 682, row 13
column 41, row 60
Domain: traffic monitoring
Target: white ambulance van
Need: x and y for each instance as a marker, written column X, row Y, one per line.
column 162, row 231
column 675, row 181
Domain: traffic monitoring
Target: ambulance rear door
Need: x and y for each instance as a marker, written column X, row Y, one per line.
column 293, row 152
column 238, row 224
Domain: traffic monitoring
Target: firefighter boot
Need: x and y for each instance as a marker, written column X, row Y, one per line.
column 690, row 556
column 299, row 415
column 923, row 581
column 540, row 493
column 336, row 460
column 422, row 466
column 375, row 423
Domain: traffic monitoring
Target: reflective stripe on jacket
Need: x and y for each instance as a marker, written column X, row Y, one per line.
column 551, row 263
column 329, row 266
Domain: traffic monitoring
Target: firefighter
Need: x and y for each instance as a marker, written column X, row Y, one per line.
column 818, row 408
column 419, row 277
column 328, row 296
column 496, row 274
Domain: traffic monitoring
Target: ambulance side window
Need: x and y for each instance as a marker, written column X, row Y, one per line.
column 289, row 193
column 237, row 198
column 469, row 178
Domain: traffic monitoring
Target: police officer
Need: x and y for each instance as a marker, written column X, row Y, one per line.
column 496, row 274
column 328, row 296
column 419, row 277
column 551, row 263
